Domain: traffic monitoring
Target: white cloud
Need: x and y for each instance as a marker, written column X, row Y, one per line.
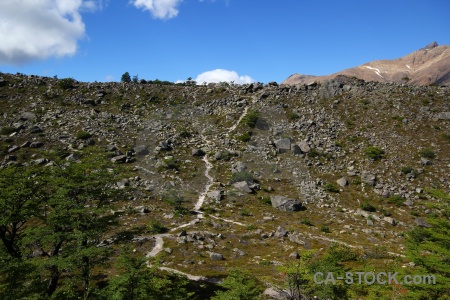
column 109, row 78
column 31, row 30
column 160, row 9
column 221, row 75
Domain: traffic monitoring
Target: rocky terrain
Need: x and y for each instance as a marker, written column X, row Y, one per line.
column 429, row 65
column 262, row 172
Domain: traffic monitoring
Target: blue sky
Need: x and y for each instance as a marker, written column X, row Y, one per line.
column 99, row 40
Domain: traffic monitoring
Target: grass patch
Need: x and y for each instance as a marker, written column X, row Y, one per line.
column 367, row 207
column 427, row 153
column 83, row 135
column 241, row 176
column 375, row 153
column 156, row 227
column 251, row 118
column 329, row 187
column 397, row 200
column 7, row 130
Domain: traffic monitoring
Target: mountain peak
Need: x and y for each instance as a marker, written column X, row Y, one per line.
column 429, row 65
column 430, row 46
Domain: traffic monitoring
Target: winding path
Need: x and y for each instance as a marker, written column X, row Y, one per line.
column 159, row 242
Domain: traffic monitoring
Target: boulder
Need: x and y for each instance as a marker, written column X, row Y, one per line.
column 421, row 223
column 119, row 159
column 342, row 182
column 238, row 167
column 243, row 187
column 285, row 204
column 214, row 256
column 368, row 178
column 390, row 220
column 295, row 149
column 281, row 232
column 139, row 150
column 215, row 195
column 304, row 146
column 198, row 152
column 283, row 145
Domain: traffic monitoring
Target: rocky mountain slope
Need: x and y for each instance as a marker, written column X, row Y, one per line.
column 263, row 172
column 429, row 65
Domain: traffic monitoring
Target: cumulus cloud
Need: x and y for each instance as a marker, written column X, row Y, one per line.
column 221, row 75
column 31, row 29
column 160, row 9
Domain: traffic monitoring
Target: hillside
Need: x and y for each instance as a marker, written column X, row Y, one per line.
column 242, row 176
column 429, row 65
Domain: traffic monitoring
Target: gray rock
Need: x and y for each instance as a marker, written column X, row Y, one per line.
column 297, row 238
column 216, row 195
column 360, row 212
column 36, row 129
column 425, row 162
column 283, row 145
column 442, row 116
column 238, row 252
column 368, row 178
column 386, row 194
column 139, row 150
column 342, row 182
column 36, row 145
column 281, row 232
column 390, row 220
column 123, row 183
column 294, row 255
column 421, row 222
column 214, row 256
column 73, row 157
column 238, row 167
column 13, row 149
column 243, row 186
column 295, row 149
column 285, row 204
column 304, row 146
column 119, row 159
column 198, row 152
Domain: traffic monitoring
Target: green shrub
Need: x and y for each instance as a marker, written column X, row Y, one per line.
column 385, row 212
column 242, row 176
column 427, row 153
column 406, row 170
column 185, row 134
column 446, row 136
column 265, row 200
column 340, row 253
column 293, row 116
column 251, row 118
column 66, row 83
column 171, row 197
column 374, row 153
column 156, row 227
column 314, row 153
column 245, row 212
column 245, row 137
column 83, row 135
column 7, row 130
column 395, row 199
column 325, row 229
column 398, row 118
column 329, row 187
column 306, row 222
column 224, row 155
column 239, row 284
column 367, row 207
